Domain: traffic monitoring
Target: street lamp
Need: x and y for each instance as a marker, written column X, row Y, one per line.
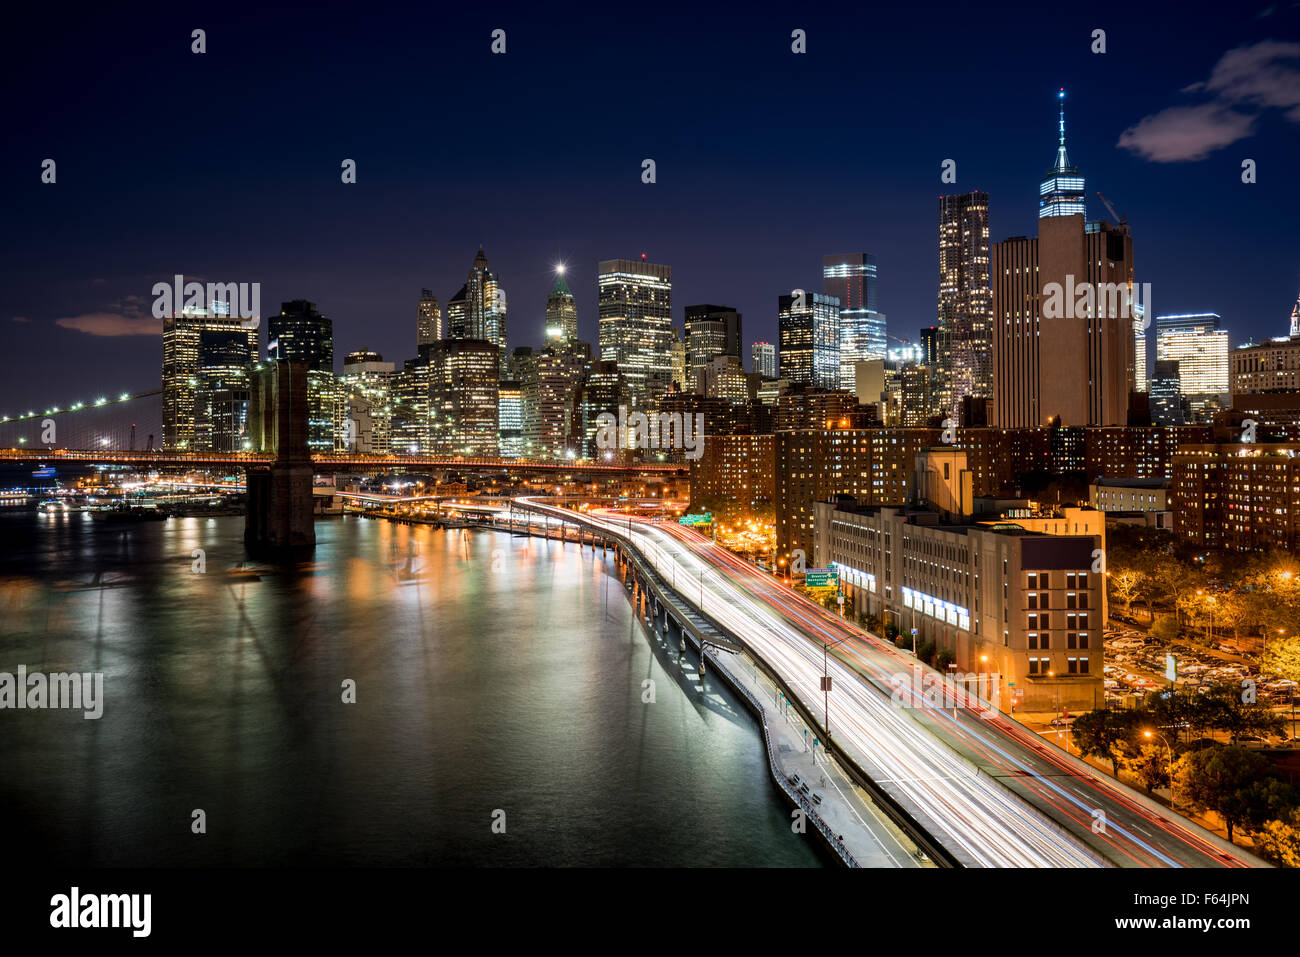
column 1169, row 766
column 826, row 683
column 988, row 670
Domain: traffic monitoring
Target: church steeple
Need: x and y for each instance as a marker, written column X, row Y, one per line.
column 1061, row 191
column 1295, row 318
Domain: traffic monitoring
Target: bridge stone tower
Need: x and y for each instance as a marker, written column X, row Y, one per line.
column 279, row 517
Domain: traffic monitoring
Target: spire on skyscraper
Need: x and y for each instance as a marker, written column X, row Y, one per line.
column 1061, row 161
column 1295, row 318
column 1061, row 191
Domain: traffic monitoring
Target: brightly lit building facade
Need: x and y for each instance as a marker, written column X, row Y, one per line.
column 182, row 332
column 1272, row 366
column 478, row 310
column 1200, row 347
column 711, row 331
column 964, row 350
column 851, row 279
column 463, row 386
column 561, row 311
column 635, row 305
column 763, row 356
column 428, row 319
column 809, row 340
column 366, row 403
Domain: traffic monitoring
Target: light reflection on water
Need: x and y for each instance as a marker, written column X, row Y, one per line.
column 492, row 673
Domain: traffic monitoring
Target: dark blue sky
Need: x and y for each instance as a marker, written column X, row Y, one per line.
column 225, row 166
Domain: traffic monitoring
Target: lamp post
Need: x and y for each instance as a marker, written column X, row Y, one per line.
column 826, row 683
column 988, row 670
column 1169, row 766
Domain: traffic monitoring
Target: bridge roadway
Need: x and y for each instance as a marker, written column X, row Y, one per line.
column 333, row 461
column 990, row 792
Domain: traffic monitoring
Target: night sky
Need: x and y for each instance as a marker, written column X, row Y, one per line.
column 226, row 166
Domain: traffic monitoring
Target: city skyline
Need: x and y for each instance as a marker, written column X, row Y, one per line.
column 481, row 438
column 366, row 264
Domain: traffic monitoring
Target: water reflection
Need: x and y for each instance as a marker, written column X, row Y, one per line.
column 492, row 672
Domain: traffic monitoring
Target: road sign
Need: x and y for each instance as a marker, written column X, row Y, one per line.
column 821, row 578
column 915, row 632
column 1171, row 667
column 704, row 519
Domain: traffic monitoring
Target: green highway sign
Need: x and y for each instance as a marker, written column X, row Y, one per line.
column 821, row 578
column 705, row 519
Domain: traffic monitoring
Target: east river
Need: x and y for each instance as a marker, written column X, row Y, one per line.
column 496, row 678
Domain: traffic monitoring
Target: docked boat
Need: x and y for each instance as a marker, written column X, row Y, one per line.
column 127, row 513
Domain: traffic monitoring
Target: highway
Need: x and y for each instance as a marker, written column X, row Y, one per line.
column 989, row 790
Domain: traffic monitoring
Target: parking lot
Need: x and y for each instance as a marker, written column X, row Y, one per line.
column 1135, row 665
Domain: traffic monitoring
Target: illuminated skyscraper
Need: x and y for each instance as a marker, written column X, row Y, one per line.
column 711, row 331
column 428, row 319
column 724, row 378
column 463, row 388
column 1061, row 192
column 680, row 374
column 965, row 338
column 478, row 310
column 603, row 391
column 180, row 366
column 554, row 376
column 300, row 332
column 763, row 355
column 851, row 280
column 510, row 420
column 1059, row 356
column 1139, row 349
column 1270, row 366
column 367, row 403
column 221, row 393
column 930, row 345
column 809, row 326
column 1200, row 347
column 1166, row 394
column 636, row 326
column 561, row 311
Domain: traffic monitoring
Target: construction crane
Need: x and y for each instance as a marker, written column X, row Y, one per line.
column 1122, row 221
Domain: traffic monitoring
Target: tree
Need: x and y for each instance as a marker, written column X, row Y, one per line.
column 1223, row 709
column 1282, row 657
column 1279, row 841
column 944, row 659
column 1172, row 578
column 1166, row 629
column 1125, row 585
column 1107, row 734
column 1150, row 764
column 1220, row 780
